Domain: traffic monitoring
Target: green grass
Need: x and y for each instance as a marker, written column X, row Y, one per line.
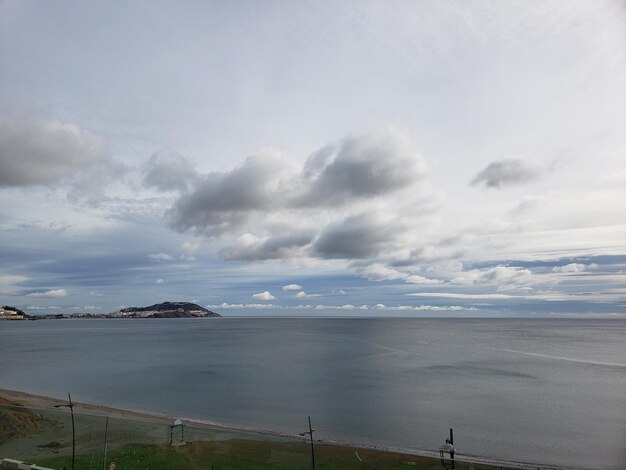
column 131, row 457
column 237, row 454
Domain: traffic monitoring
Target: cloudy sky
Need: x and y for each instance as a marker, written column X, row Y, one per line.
column 314, row 158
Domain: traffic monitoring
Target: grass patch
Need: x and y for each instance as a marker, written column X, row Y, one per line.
column 239, row 454
column 131, row 457
column 257, row 455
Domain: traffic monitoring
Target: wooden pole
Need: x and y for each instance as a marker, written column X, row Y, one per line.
column 452, row 451
column 106, row 430
column 71, row 406
column 312, row 448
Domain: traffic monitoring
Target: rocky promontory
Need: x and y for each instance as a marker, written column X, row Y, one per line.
column 165, row 310
column 162, row 310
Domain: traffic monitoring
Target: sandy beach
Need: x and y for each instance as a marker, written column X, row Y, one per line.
column 149, row 422
column 40, row 402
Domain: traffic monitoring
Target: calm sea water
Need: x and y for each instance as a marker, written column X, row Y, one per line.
column 546, row 391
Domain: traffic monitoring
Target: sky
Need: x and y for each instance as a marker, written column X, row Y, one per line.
column 388, row 158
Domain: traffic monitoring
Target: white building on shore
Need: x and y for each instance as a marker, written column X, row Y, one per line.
column 9, row 313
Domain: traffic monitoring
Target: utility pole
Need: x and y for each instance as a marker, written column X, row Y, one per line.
column 310, row 433
column 70, row 405
column 452, row 450
column 106, row 430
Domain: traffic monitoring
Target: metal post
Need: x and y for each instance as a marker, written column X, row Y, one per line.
column 310, row 433
column 452, row 451
column 106, row 430
column 70, row 405
column 73, row 431
column 312, row 447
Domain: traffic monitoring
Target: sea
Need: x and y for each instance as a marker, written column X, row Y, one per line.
column 544, row 391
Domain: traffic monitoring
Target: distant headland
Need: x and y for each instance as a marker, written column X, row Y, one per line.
column 162, row 310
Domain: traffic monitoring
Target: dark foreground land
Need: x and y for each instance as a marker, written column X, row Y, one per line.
column 41, row 434
column 244, row 454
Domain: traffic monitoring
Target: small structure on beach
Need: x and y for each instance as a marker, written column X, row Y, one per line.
column 178, row 425
column 447, row 448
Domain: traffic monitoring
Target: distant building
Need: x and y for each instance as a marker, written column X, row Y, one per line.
column 11, row 313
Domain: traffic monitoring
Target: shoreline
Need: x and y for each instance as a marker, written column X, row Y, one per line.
column 43, row 402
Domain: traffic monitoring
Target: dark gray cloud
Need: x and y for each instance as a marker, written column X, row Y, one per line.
column 34, row 153
column 360, row 167
column 502, row 173
column 356, row 169
column 167, row 171
column 276, row 247
column 224, row 202
column 356, row 237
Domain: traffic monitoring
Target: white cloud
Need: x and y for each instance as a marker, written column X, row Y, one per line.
column 349, row 307
column 161, row 257
column 547, row 296
column 341, row 205
column 379, row 272
column 54, row 293
column 433, row 308
column 415, row 279
column 8, row 283
column 500, row 276
column 249, row 247
column 228, row 306
column 304, row 295
column 290, row 287
column 453, row 295
column 188, row 250
column 265, row 295
column 573, row 268
column 159, row 281
column 355, row 170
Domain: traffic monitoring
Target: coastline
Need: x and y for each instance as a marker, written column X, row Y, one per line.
column 42, row 402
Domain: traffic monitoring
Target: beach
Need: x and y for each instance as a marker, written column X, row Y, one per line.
column 141, row 428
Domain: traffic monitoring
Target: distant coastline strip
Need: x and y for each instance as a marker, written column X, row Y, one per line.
column 259, row 306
